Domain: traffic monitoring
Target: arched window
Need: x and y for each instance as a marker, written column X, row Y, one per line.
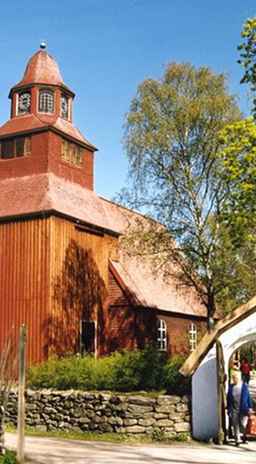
column 46, row 101
column 24, row 102
column 161, row 335
column 64, row 107
column 192, row 336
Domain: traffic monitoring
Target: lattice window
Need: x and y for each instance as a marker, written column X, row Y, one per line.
column 15, row 148
column 64, row 107
column 161, row 335
column 71, row 153
column 192, row 337
column 24, row 102
column 46, row 101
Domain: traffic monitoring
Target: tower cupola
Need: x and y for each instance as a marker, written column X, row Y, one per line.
column 42, row 90
column 40, row 136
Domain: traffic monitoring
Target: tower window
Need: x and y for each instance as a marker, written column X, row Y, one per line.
column 15, row 148
column 192, row 337
column 24, row 102
column 71, row 153
column 46, row 101
column 161, row 335
column 64, row 107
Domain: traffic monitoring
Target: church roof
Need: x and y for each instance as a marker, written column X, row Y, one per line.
column 41, row 69
column 29, row 123
column 48, row 193
column 152, row 289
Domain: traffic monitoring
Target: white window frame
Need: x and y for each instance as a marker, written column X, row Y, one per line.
column 161, row 335
column 67, row 117
column 192, row 337
column 46, row 110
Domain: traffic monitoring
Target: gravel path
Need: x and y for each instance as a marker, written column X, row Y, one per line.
column 59, row 451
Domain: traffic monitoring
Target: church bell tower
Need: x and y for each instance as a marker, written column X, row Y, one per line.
column 40, row 136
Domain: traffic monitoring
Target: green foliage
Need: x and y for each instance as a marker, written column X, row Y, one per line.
column 172, row 145
column 158, row 435
column 8, row 458
column 238, row 169
column 124, row 372
column 138, row 370
column 236, row 267
column 247, row 50
column 175, row 383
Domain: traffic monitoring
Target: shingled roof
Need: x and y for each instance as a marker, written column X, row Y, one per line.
column 152, row 289
column 32, row 123
column 49, row 193
column 41, row 69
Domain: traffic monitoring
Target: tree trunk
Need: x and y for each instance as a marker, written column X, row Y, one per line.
column 211, row 307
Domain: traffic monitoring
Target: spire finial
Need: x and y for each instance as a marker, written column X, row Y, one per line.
column 43, row 45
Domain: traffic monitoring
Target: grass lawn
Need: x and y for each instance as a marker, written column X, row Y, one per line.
column 107, row 437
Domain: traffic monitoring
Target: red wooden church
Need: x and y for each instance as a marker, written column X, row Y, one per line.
column 63, row 270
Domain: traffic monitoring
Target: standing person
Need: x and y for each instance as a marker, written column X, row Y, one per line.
column 245, row 368
column 239, row 406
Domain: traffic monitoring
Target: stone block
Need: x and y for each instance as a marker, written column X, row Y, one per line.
column 168, row 399
column 161, row 415
column 181, row 407
column 135, row 429
column 128, row 422
column 165, row 407
column 164, row 423
column 182, row 427
column 84, row 420
column 146, row 422
column 177, row 417
column 141, row 401
column 115, row 421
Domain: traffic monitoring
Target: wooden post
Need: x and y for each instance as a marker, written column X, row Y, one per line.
column 21, row 399
column 221, row 380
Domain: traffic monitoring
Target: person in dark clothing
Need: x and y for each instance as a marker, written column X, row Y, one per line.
column 239, row 405
column 245, row 368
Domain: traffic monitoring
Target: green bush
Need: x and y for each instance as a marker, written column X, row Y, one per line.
column 174, row 382
column 125, row 371
column 8, row 458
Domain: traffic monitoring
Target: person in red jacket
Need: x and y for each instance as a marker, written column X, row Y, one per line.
column 245, row 369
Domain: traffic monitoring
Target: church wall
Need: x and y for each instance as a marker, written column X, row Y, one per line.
column 24, row 283
column 82, row 175
column 138, row 325
column 32, row 164
column 79, row 283
column 178, row 326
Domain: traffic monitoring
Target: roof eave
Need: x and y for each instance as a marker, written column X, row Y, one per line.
column 53, row 212
column 48, row 127
column 24, row 85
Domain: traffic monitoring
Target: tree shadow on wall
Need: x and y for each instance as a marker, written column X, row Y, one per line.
column 79, row 293
column 130, row 328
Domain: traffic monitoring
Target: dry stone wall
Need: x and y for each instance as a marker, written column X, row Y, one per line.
column 103, row 412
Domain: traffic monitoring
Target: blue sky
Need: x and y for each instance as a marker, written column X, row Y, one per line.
column 105, row 48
